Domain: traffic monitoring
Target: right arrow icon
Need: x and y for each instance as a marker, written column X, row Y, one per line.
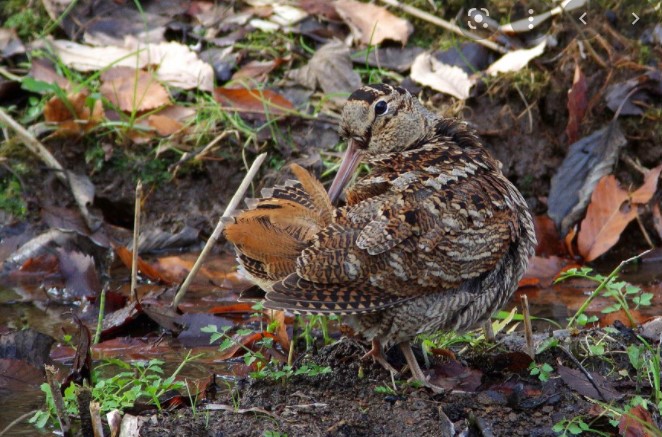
column 636, row 18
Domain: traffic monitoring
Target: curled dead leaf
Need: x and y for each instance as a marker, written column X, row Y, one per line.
column 253, row 101
column 371, row 24
column 447, row 79
column 74, row 115
column 133, row 90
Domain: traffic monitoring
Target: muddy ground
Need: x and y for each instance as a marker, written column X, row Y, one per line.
column 502, row 398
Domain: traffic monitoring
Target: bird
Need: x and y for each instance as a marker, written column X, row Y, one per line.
column 433, row 238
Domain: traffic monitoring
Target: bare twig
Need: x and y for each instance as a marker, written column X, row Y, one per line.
column 17, row 421
column 219, row 227
column 446, row 25
column 60, row 411
column 528, row 330
column 136, row 232
column 70, row 179
column 584, row 371
column 33, row 145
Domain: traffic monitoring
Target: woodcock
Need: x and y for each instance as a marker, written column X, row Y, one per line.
column 435, row 237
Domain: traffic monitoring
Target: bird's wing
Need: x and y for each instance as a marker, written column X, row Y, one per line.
column 431, row 230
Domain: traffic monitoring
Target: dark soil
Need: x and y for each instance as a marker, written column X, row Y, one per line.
column 507, row 402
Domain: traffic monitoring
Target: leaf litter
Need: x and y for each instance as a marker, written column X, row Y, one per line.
column 267, row 97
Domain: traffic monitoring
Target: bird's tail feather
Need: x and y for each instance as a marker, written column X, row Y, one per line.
column 270, row 235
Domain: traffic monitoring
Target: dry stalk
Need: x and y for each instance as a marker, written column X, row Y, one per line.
column 219, row 227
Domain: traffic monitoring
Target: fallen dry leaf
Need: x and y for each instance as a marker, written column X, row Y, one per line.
column 516, row 60
column 253, row 101
column 657, row 219
column 605, row 218
column 133, row 90
column 176, row 64
column 577, row 105
column 44, row 71
column 611, row 209
column 542, row 271
column 371, row 24
column 637, row 422
column 577, row 381
column 330, row 68
column 448, row 79
column 144, row 267
column 257, row 71
column 74, row 115
column 587, row 160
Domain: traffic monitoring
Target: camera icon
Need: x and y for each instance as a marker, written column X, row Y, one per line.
column 479, row 24
column 477, row 18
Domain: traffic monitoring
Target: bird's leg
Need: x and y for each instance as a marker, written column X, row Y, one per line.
column 416, row 372
column 377, row 354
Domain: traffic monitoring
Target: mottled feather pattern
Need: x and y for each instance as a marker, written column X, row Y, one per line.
column 434, row 237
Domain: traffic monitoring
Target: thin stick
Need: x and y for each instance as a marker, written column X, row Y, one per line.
column 219, row 227
column 136, row 232
column 102, row 312
column 60, row 411
column 34, row 145
column 528, row 330
column 446, row 25
column 17, row 421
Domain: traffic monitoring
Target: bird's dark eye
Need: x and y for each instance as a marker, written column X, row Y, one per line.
column 381, row 107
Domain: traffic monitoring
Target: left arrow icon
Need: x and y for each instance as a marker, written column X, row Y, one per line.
column 582, row 18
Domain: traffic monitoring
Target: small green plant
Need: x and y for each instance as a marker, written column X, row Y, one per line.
column 543, row 370
column 266, row 369
column 385, row 390
column 11, row 199
column 141, row 380
column 609, row 286
column 270, row 433
column 576, row 426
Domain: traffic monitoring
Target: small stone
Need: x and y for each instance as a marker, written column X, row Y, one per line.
column 512, row 417
column 547, row 409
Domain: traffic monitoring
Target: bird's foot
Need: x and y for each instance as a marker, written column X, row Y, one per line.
column 416, row 371
column 377, row 354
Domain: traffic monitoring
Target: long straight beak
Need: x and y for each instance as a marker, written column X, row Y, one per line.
column 349, row 163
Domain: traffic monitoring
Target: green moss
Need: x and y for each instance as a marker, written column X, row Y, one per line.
column 11, row 197
column 27, row 21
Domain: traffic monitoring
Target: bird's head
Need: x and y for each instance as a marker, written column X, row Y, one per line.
column 378, row 119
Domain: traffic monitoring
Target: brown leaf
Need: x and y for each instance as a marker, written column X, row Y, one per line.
column 542, row 271
column 610, row 211
column 143, row 267
column 320, row 8
column 607, row 217
column 657, row 219
column 44, row 71
column 133, row 90
column 281, row 332
column 15, row 375
column 245, row 342
column 371, row 24
column 73, row 115
column 646, row 192
column 257, row 70
column 331, row 70
column 253, row 101
column 637, row 422
column 549, row 240
column 163, row 125
column 577, row 381
column 577, row 105
column 454, row 376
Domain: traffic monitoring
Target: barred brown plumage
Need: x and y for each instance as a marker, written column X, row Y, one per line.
column 435, row 237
